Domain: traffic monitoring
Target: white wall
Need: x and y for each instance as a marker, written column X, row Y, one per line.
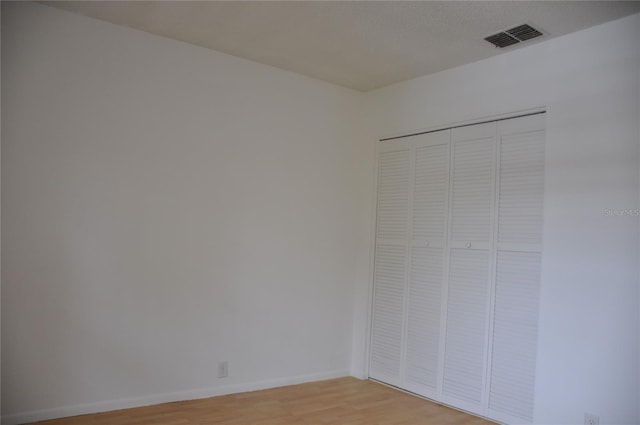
column 588, row 81
column 166, row 207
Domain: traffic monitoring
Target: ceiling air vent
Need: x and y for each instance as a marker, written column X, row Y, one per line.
column 513, row 36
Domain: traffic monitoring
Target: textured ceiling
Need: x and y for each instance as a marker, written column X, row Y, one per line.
column 363, row 45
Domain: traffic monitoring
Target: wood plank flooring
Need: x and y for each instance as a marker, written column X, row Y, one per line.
column 343, row 401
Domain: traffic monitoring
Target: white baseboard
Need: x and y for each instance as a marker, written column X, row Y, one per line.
column 105, row 406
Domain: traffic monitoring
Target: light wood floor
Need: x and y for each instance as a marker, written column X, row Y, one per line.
column 344, row 401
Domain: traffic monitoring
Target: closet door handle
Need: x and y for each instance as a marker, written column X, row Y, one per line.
column 468, row 245
column 426, row 243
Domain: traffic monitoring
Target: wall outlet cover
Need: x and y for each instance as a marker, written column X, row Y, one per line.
column 223, row 369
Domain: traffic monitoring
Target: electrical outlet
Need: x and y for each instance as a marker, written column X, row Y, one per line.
column 591, row 419
column 223, row 369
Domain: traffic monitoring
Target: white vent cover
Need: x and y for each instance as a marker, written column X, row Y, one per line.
column 513, row 36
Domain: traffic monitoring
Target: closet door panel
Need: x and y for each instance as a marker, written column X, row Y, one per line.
column 431, row 187
column 515, row 335
column 521, row 184
column 393, row 195
column 472, row 218
column 466, row 327
column 388, row 307
column 429, row 223
column 392, row 222
column 423, row 334
column 473, row 185
column 520, row 216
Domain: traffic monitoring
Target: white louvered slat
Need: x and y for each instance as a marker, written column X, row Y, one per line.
column 424, row 318
column 473, row 186
column 390, row 263
column 388, row 312
column 515, row 335
column 466, row 335
column 430, row 192
column 393, row 195
column 521, row 190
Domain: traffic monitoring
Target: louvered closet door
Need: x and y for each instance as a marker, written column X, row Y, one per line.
column 471, row 237
column 390, row 262
column 457, row 266
column 520, row 209
column 428, row 232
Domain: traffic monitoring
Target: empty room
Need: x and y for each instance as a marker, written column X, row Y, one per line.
column 320, row 212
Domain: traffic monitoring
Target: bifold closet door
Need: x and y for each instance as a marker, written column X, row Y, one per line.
column 426, row 262
column 390, row 261
column 469, row 272
column 457, row 265
column 413, row 186
column 519, row 249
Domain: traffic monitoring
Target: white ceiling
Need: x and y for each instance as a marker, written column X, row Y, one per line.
column 363, row 45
